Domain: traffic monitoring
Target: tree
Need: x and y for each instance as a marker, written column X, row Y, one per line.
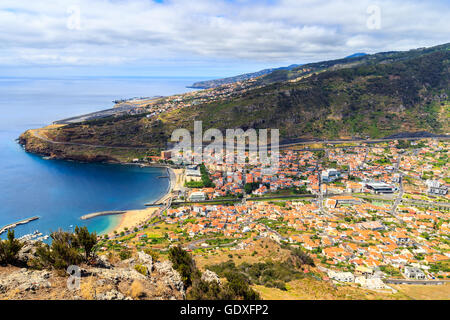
column 85, row 240
column 9, row 248
column 238, row 284
column 182, row 262
column 63, row 252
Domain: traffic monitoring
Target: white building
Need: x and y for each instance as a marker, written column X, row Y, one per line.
column 414, row 273
column 380, row 187
column 341, row 276
column 197, row 196
column 371, row 283
column 435, row 188
column 193, row 173
column 330, row 175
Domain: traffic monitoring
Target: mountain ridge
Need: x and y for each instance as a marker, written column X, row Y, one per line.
column 381, row 95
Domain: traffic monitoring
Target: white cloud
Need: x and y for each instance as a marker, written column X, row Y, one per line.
column 119, row 32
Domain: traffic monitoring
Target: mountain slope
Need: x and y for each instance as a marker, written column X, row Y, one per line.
column 348, row 62
column 387, row 94
column 242, row 77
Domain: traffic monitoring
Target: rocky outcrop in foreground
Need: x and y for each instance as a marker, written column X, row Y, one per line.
column 135, row 278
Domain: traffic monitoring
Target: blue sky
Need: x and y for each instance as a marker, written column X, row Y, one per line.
column 205, row 38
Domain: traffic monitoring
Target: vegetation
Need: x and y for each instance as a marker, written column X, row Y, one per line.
column 250, row 187
column 85, row 240
column 66, row 249
column 268, row 274
column 237, row 287
column 9, row 248
column 141, row 269
column 184, row 263
column 383, row 94
column 62, row 252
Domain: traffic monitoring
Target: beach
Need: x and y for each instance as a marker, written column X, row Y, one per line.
column 136, row 218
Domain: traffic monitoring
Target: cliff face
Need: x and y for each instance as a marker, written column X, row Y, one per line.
column 34, row 144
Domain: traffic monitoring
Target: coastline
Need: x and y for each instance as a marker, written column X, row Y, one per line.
column 119, row 220
column 136, row 218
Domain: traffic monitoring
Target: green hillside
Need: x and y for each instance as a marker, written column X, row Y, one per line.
column 377, row 96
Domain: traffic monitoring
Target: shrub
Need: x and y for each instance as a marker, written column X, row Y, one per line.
column 124, row 254
column 9, row 248
column 154, row 254
column 301, row 257
column 236, row 288
column 85, row 240
column 63, row 252
column 141, row 269
column 182, row 262
column 137, row 289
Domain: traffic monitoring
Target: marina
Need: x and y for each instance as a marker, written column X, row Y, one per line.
column 35, row 236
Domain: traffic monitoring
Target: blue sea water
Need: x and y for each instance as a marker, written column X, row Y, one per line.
column 60, row 192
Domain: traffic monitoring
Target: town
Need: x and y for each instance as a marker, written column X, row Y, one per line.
column 367, row 214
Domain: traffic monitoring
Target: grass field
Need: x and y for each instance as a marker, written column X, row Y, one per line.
column 311, row 289
column 421, row 292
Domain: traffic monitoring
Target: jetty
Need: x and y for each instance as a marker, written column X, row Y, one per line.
column 15, row 224
column 102, row 213
column 153, row 205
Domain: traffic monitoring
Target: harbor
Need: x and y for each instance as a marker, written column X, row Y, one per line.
column 35, row 236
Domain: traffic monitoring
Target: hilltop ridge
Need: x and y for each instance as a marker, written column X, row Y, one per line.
column 368, row 96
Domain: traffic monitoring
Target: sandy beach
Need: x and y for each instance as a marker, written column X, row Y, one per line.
column 134, row 218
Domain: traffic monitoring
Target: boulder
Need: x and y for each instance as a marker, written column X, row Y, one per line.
column 210, row 276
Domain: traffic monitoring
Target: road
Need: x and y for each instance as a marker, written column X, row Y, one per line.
column 40, row 137
column 397, row 201
column 355, row 141
column 286, row 145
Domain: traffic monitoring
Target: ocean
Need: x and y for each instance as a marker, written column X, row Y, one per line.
column 60, row 192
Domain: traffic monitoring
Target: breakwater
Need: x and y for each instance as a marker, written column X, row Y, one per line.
column 102, row 213
column 15, row 224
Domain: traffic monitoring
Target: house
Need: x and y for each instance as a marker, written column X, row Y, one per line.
column 354, row 187
column 261, row 190
column 166, row 154
column 370, row 283
column 414, row 273
column 363, row 271
column 341, row 276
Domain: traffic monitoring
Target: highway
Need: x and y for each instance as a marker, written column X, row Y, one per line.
column 285, row 145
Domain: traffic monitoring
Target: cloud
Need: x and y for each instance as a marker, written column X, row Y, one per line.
column 101, row 32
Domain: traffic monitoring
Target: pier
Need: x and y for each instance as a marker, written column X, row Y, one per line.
column 153, row 205
column 102, row 213
column 15, row 224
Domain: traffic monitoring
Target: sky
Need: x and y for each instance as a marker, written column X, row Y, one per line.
column 205, row 38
